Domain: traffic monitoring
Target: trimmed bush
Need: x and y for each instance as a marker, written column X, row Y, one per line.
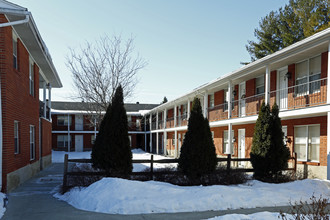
column 269, row 155
column 111, row 151
column 198, row 155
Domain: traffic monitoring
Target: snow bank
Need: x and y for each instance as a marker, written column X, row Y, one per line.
column 138, row 154
column 2, row 209
column 255, row 216
column 58, row 156
column 119, row 196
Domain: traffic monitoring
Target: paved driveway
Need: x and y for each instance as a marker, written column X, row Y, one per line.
column 34, row 200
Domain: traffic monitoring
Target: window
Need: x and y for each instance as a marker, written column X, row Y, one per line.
column 32, row 143
column 226, row 98
column 184, row 110
column 62, row 120
column 15, row 63
column 16, row 136
column 31, row 77
column 92, row 139
column 260, row 85
column 62, row 141
column 314, row 74
column 307, row 142
column 226, row 141
column 211, row 100
column 308, row 75
column 212, row 132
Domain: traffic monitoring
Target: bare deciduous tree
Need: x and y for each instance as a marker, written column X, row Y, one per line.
column 99, row 67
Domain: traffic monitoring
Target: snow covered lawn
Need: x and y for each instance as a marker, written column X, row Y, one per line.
column 120, row 196
column 255, row 216
column 138, row 154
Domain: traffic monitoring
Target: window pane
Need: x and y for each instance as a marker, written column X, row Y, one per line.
column 260, row 81
column 301, row 70
column 315, row 65
column 300, row 149
column 314, row 142
column 316, row 85
column 300, row 140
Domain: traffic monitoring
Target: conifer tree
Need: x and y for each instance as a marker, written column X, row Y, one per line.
column 295, row 21
column 269, row 155
column 115, row 156
column 198, row 155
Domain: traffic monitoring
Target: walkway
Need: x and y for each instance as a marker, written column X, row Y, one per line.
column 34, row 200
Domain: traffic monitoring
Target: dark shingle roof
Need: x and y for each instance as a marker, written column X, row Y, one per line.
column 83, row 106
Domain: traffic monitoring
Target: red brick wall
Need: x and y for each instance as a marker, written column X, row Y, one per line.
column 17, row 104
column 46, row 137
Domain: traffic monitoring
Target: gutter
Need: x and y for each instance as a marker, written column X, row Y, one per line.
column 26, row 20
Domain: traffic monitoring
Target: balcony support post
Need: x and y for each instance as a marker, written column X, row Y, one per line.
column 229, row 99
column 165, row 143
column 328, row 147
column 176, row 143
column 50, row 101
column 150, row 120
column 267, row 85
column 44, row 94
column 145, row 133
column 188, row 110
column 230, row 139
column 157, row 142
column 205, row 104
column 175, row 115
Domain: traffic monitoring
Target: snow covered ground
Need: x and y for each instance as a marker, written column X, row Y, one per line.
column 255, row 216
column 138, row 154
column 2, row 209
column 114, row 195
column 120, row 196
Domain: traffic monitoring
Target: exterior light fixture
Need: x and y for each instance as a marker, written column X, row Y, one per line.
column 288, row 75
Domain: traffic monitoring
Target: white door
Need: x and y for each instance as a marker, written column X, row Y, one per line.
column 79, row 122
column 282, row 93
column 79, row 143
column 242, row 99
column 241, row 146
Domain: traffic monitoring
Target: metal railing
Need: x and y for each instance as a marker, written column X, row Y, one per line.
column 300, row 96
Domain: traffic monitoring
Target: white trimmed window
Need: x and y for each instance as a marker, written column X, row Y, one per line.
column 15, row 61
column 62, row 120
column 62, row 141
column 307, row 142
column 31, row 77
column 260, row 85
column 32, row 143
column 211, row 100
column 226, row 141
column 16, row 136
column 308, row 75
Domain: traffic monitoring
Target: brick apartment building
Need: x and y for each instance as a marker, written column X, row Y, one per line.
column 25, row 123
column 73, row 130
column 296, row 78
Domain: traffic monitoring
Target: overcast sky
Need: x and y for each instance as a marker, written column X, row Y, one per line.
column 186, row 43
